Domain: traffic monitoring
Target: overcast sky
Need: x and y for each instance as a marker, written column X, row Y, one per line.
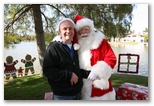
column 140, row 18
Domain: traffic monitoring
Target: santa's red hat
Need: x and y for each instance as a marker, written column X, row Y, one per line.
column 82, row 21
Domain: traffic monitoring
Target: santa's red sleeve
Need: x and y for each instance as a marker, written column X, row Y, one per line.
column 104, row 65
column 110, row 57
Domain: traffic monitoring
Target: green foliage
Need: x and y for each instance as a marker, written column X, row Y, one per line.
column 11, row 39
column 17, row 19
column 48, row 38
column 112, row 19
column 146, row 30
column 146, row 38
column 146, row 35
column 28, row 38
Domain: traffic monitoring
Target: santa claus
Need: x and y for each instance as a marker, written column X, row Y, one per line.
column 96, row 60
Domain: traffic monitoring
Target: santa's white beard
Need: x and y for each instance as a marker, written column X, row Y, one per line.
column 84, row 51
column 86, row 40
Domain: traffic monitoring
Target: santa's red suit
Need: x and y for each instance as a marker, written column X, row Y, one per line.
column 97, row 56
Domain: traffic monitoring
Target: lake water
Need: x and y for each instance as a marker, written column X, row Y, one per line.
column 139, row 49
column 19, row 51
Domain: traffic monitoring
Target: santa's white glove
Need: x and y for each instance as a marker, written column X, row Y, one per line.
column 92, row 76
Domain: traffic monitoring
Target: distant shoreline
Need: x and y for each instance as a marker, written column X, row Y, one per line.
column 129, row 43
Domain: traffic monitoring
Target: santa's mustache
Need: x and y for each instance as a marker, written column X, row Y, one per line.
column 84, row 35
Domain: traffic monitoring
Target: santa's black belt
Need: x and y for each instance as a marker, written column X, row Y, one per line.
column 85, row 73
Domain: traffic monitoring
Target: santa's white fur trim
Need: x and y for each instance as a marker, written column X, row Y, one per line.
column 108, row 96
column 57, row 38
column 101, row 83
column 84, row 22
column 86, row 92
column 102, row 70
column 86, row 89
column 76, row 46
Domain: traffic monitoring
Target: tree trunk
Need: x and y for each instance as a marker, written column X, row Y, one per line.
column 39, row 32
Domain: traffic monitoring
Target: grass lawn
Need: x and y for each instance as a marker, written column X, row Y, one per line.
column 30, row 87
column 33, row 87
